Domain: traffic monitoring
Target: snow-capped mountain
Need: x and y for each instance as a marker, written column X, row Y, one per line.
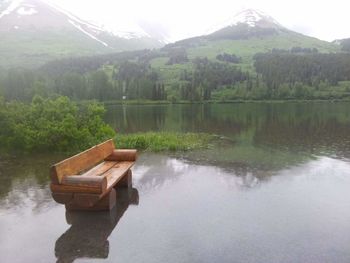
column 249, row 17
column 35, row 31
column 252, row 27
column 39, row 14
column 249, row 22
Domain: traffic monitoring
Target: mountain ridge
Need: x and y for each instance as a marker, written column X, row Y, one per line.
column 64, row 35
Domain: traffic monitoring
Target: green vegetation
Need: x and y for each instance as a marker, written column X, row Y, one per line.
column 247, row 48
column 33, row 48
column 281, row 66
column 344, row 44
column 164, row 141
column 60, row 125
column 295, row 74
column 56, row 125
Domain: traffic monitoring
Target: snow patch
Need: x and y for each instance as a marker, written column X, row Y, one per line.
column 12, row 7
column 26, row 11
column 123, row 30
column 73, row 17
column 250, row 17
column 128, row 35
column 127, row 31
column 87, row 33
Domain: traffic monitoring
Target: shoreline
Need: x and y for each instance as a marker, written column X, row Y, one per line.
column 146, row 102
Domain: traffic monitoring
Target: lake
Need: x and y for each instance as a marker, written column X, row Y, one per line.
column 275, row 188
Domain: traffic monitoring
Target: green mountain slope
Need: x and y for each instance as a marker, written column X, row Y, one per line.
column 245, row 48
column 32, row 49
column 253, row 57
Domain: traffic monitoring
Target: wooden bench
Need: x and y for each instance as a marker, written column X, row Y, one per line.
column 87, row 181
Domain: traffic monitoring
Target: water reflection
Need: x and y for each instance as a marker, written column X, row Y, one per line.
column 194, row 212
column 88, row 235
column 156, row 171
column 25, row 172
column 306, row 128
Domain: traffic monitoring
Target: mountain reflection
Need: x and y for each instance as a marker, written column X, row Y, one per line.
column 88, row 235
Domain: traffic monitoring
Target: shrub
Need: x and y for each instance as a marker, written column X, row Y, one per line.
column 52, row 125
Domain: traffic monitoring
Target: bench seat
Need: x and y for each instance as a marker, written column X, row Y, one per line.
column 113, row 172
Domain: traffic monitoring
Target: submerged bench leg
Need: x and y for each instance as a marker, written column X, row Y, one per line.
column 126, row 181
column 106, row 203
column 62, row 198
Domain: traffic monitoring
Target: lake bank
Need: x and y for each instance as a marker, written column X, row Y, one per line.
column 166, row 102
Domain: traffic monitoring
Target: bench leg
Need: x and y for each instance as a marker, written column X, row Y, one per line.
column 126, row 181
column 62, row 198
column 106, row 203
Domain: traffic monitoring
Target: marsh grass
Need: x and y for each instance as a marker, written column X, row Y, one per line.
column 164, row 141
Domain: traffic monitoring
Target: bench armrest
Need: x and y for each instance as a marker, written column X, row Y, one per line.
column 92, row 183
column 129, row 155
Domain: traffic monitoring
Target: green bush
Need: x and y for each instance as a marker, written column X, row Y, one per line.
column 58, row 125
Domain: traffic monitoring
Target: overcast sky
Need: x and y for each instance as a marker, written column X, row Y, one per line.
column 327, row 20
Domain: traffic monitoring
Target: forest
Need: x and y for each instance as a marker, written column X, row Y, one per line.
column 298, row 73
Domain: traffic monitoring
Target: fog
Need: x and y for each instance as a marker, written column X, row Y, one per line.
column 182, row 19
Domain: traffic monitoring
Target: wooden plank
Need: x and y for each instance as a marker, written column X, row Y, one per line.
column 99, row 182
column 81, row 161
column 59, row 188
column 115, row 174
column 100, row 169
column 123, row 155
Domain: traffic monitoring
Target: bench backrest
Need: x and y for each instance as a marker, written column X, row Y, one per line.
column 82, row 161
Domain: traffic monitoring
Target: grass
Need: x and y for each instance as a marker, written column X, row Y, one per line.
column 33, row 48
column 244, row 48
column 164, row 141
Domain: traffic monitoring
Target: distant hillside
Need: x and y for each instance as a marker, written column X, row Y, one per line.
column 247, row 33
column 344, row 44
column 34, row 31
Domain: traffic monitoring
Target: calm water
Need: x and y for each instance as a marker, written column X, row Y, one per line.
column 275, row 189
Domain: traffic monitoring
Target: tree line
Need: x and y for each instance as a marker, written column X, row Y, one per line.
column 309, row 69
column 295, row 74
column 128, row 80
